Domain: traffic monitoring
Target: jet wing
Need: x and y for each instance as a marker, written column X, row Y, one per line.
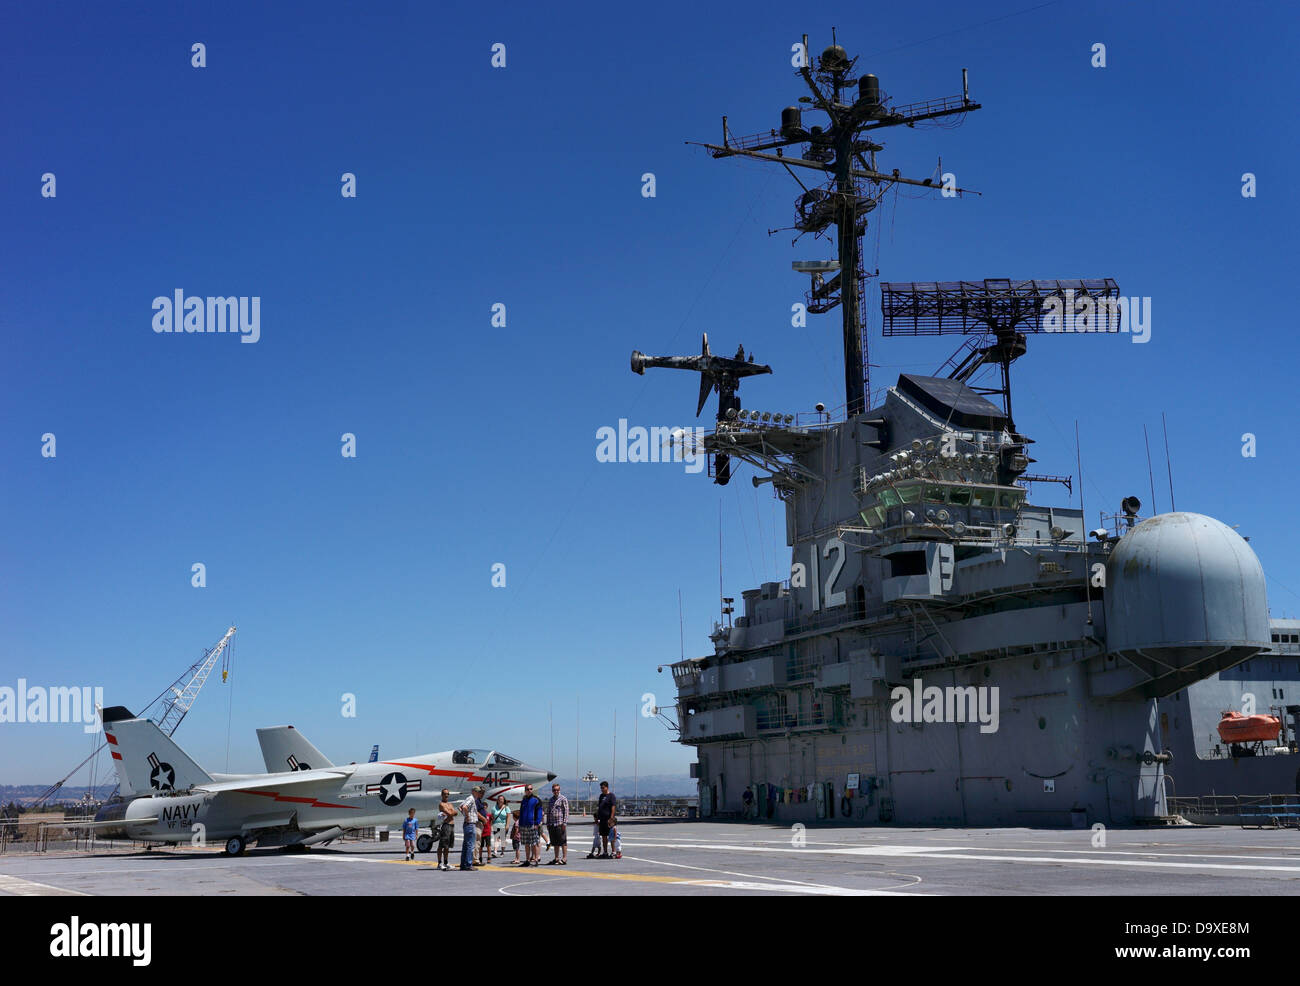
column 73, row 823
column 294, row 779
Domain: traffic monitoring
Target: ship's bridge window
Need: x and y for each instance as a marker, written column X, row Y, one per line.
column 959, row 495
column 892, row 496
column 878, row 504
column 934, row 494
column 985, row 498
column 873, row 516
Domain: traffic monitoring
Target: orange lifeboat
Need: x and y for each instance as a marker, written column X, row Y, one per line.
column 1236, row 728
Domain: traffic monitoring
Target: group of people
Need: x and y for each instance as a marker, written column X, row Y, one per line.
column 485, row 827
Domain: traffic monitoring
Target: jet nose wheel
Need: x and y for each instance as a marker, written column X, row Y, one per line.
column 235, row 846
column 424, row 843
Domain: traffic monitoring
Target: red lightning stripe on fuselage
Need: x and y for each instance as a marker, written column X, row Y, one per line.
column 301, row 801
column 469, row 775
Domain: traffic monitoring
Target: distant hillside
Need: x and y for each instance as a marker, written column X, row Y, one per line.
column 647, row 785
column 27, row 793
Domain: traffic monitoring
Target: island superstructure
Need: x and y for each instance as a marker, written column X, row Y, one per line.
column 946, row 651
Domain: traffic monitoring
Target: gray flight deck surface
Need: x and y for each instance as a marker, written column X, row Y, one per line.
column 678, row 858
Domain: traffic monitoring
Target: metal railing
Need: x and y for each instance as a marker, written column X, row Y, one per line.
column 37, row 835
column 800, row 669
column 583, row 810
column 767, row 721
column 1246, row 810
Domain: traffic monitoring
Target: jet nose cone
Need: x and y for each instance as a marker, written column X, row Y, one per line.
column 550, row 777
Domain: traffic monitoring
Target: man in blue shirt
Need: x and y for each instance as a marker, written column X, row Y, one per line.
column 410, row 832
column 530, row 821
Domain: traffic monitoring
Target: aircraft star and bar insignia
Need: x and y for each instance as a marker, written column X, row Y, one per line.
column 392, row 790
column 163, row 777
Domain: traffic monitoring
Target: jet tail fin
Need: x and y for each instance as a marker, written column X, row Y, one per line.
column 146, row 759
column 374, row 753
column 284, row 748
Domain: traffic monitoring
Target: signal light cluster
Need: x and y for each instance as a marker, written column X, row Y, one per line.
column 924, row 461
column 760, row 417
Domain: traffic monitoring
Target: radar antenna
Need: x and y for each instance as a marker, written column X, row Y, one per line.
column 995, row 314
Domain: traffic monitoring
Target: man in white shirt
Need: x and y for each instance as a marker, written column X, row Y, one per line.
column 469, row 827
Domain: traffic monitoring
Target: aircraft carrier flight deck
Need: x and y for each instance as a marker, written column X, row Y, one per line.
column 687, row 858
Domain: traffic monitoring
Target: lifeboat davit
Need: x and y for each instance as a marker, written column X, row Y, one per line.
column 1236, row 728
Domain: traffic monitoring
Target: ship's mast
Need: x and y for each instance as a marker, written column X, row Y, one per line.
column 853, row 186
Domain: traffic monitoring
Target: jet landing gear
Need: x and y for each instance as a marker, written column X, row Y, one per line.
column 424, row 843
column 235, row 846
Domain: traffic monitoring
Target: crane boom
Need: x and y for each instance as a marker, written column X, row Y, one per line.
column 185, row 689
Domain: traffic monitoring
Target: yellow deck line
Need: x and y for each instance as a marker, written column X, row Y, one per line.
column 558, row 871
column 712, row 882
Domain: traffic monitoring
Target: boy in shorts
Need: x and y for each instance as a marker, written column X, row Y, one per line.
column 410, row 832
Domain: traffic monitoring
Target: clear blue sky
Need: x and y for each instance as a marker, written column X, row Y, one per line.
column 475, row 444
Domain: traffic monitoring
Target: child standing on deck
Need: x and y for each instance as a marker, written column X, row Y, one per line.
column 410, row 832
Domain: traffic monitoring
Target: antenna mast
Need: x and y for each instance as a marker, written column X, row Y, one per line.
column 852, row 185
column 1168, row 465
column 1151, row 476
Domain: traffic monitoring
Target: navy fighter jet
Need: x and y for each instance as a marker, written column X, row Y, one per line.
column 300, row 806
